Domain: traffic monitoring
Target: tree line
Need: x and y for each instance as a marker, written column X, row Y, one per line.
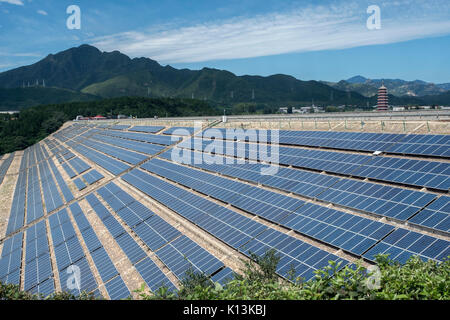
column 31, row 125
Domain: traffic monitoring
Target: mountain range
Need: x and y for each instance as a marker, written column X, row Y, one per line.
column 397, row 87
column 85, row 73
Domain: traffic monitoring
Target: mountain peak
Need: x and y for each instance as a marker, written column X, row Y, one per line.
column 357, row 79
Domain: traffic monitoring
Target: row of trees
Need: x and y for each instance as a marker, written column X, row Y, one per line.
column 34, row 124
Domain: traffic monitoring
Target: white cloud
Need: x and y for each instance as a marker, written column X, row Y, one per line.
column 16, row 2
column 44, row 13
column 309, row 29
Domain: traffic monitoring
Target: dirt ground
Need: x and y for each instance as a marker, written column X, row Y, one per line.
column 230, row 257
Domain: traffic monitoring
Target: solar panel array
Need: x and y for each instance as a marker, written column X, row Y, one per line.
column 410, row 144
column 319, row 203
column 5, row 166
column 417, row 173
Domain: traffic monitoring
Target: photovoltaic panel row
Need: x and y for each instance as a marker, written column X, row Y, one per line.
column 180, row 131
column 79, row 184
column 69, row 170
column 112, row 165
column 413, row 144
column 156, row 233
column 435, row 216
column 153, row 275
column 51, row 194
column 70, row 257
column 144, row 147
column 419, row 173
column 11, row 260
column 144, row 265
column 67, row 247
column 79, row 165
column 117, row 289
column 147, row 129
column 38, row 267
column 121, row 154
column 151, row 229
column 120, row 127
column 36, row 241
column 92, row 176
column 44, row 288
column 227, row 225
column 5, row 166
column 183, row 254
column 295, row 255
column 70, row 132
column 223, row 276
column 402, row 244
column 17, row 212
column 230, row 227
column 151, row 138
column 366, row 196
column 346, row 231
column 101, row 259
column 68, row 196
column 35, row 208
column 70, row 283
column 421, row 144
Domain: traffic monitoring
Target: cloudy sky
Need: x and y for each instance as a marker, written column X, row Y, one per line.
column 311, row 40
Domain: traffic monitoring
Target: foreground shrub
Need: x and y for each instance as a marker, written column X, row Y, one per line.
column 13, row 292
column 416, row 279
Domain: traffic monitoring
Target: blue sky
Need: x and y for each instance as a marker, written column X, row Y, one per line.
column 310, row 40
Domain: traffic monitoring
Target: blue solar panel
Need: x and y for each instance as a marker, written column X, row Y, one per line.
column 180, row 131
column 133, row 251
column 117, row 289
column 5, row 166
column 153, row 275
column 421, row 173
column 86, row 280
column 309, row 219
column 147, row 129
column 79, row 183
column 107, row 163
column 104, row 264
column 183, row 253
column 138, row 146
column 435, row 216
column 402, row 244
column 79, row 165
column 223, row 276
column 62, row 184
column 69, row 170
column 151, row 138
column 92, row 176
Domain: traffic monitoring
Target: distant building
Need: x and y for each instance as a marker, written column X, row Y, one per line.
column 382, row 104
column 398, row 108
column 9, row 112
column 99, row 118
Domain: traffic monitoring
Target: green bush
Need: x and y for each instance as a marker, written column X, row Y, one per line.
column 13, row 292
column 416, row 279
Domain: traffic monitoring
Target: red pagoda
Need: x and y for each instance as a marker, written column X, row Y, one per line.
column 382, row 104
